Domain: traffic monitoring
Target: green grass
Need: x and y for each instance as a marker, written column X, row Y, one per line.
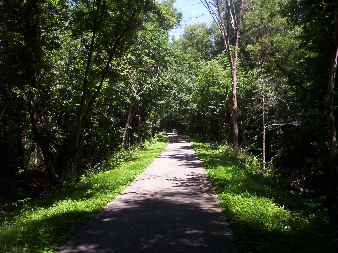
column 264, row 215
column 40, row 226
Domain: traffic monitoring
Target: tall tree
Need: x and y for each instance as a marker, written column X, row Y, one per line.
column 109, row 36
column 332, row 131
column 228, row 15
column 56, row 61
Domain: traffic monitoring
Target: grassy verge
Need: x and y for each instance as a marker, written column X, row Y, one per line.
column 264, row 216
column 43, row 225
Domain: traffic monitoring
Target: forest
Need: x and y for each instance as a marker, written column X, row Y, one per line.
column 84, row 80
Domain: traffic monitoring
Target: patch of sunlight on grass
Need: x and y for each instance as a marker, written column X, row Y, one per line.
column 260, row 211
column 42, row 226
column 264, row 216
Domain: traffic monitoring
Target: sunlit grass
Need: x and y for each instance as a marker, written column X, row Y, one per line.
column 265, row 217
column 43, row 225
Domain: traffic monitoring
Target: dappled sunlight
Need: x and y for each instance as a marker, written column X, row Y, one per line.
column 257, row 210
column 169, row 208
column 92, row 91
column 154, row 225
column 45, row 225
column 265, row 216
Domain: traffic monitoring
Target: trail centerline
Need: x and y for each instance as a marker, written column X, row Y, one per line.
column 169, row 208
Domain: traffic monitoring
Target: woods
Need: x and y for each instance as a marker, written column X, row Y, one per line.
column 82, row 80
column 67, row 82
column 284, row 66
column 228, row 17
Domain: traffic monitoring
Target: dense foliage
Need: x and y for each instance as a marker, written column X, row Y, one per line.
column 79, row 79
column 286, row 104
column 42, row 225
column 264, row 215
column 82, row 79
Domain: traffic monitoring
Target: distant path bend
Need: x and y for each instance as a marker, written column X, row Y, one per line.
column 169, row 208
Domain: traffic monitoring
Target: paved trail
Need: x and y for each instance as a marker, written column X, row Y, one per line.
column 169, row 208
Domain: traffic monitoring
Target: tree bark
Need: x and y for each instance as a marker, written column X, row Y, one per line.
column 264, row 130
column 77, row 131
column 332, row 133
column 41, row 133
column 130, row 117
column 234, row 106
column 228, row 17
column 88, row 98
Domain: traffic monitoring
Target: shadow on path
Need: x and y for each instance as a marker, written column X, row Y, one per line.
column 170, row 208
column 154, row 225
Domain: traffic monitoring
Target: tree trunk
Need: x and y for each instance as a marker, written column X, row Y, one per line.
column 88, row 95
column 332, row 133
column 32, row 37
column 77, row 131
column 234, row 106
column 264, row 131
column 43, row 140
column 228, row 17
column 125, row 142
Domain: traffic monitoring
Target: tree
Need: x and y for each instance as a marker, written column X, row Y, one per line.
column 228, row 15
column 58, row 115
column 196, row 38
column 319, row 36
column 141, row 85
column 331, row 122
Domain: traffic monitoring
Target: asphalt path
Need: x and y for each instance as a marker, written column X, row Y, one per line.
column 171, row 207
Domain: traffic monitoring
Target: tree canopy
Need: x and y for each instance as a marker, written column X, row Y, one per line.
column 82, row 79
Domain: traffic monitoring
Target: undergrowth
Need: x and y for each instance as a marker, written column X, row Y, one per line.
column 42, row 225
column 264, row 215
